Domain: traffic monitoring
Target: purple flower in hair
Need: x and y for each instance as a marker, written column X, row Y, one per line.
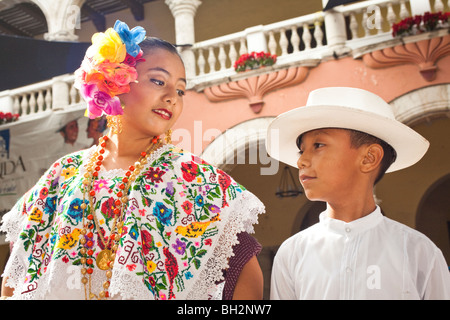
column 99, row 102
column 131, row 38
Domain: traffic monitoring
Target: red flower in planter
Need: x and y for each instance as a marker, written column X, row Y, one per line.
column 422, row 23
column 8, row 117
column 254, row 60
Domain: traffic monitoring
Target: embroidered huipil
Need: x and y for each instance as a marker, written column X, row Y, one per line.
column 181, row 222
column 372, row 257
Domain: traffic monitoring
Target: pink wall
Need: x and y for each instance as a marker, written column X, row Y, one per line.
column 389, row 83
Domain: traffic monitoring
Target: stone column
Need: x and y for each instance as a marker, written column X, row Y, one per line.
column 419, row 7
column 6, row 102
column 184, row 12
column 256, row 40
column 62, row 19
column 336, row 31
column 60, row 93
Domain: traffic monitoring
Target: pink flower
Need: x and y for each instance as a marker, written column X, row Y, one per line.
column 119, row 73
column 105, row 85
column 99, row 102
column 131, row 61
column 100, row 184
column 187, row 207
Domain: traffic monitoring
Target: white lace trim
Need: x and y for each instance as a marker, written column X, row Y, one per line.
column 12, row 223
column 243, row 216
column 127, row 286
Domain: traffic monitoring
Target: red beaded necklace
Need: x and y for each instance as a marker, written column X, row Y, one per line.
column 105, row 258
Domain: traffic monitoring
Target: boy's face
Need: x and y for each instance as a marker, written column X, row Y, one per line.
column 328, row 165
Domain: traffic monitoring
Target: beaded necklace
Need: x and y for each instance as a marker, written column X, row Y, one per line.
column 105, row 258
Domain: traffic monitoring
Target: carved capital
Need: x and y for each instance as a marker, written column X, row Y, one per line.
column 254, row 88
column 183, row 6
column 424, row 54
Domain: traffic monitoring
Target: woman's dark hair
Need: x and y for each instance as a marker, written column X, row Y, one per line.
column 358, row 139
column 151, row 43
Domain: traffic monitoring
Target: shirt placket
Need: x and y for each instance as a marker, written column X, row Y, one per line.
column 348, row 264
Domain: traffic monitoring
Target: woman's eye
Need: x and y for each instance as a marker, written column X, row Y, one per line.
column 180, row 93
column 157, row 82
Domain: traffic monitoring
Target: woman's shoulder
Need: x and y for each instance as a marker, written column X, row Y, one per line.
column 71, row 161
column 184, row 158
column 65, row 167
column 176, row 154
column 76, row 157
column 194, row 168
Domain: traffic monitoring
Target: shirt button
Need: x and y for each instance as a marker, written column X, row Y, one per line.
column 348, row 230
column 348, row 269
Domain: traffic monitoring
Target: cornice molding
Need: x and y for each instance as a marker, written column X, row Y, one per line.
column 254, row 88
column 424, row 54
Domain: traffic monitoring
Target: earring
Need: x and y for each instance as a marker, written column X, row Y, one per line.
column 114, row 123
column 168, row 137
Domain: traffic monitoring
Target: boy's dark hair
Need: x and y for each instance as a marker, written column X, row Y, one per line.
column 150, row 43
column 359, row 138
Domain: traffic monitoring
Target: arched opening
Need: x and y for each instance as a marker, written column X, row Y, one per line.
column 241, row 152
column 312, row 215
column 422, row 104
column 433, row 215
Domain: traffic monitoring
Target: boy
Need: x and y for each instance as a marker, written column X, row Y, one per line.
column 343, row 141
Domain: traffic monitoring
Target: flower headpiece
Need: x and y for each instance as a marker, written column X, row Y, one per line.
column 108, row 68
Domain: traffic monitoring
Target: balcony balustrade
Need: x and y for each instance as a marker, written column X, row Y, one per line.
column 353, row 30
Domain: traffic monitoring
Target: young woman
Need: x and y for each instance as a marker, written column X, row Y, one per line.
column 134, row 217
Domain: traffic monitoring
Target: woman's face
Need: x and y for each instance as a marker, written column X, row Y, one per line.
column 155, row 102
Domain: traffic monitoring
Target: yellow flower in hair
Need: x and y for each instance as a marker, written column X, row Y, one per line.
column 107, row 46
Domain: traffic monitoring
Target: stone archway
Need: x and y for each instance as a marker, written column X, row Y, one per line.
column 424, row 103
column 232, row 147
column 62, row 19
column 308, row 215
column 240, row 151
column 433, row 215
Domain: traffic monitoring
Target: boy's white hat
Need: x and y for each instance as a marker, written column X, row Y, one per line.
column 347, row 108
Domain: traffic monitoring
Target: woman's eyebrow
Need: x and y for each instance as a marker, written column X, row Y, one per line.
column 166, row 72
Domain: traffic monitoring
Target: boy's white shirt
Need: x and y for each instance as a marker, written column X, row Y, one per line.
column 372, row 257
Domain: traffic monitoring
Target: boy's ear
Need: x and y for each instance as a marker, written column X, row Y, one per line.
column 373, row 154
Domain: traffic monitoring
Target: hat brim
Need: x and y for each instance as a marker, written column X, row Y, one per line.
column 283, row 132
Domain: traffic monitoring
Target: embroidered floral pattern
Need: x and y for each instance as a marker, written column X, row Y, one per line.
column 176, row 211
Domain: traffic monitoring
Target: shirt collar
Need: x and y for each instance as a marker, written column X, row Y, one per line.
column 352, row 227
